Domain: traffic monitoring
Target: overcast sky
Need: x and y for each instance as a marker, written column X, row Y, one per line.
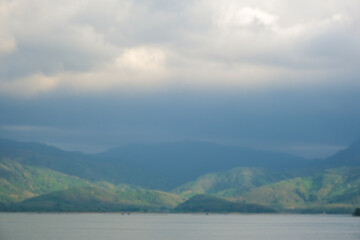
column 92, row 74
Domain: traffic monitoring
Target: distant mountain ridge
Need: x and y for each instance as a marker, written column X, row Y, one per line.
column 157, row 166
column 331, row 184
column 78, row 164
column 37, row 177
column 180, row 162
column 349, row 156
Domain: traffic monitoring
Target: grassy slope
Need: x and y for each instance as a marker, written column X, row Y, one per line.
column 85, row 166
column 156, row 166
column 205, row 203
column 19, row 182
column 337, row 188
column 332, row 188
column 229, row 183
column 47, row 189
column 93, row 198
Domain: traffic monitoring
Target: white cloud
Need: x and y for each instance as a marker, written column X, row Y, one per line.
column 140, row 68
column 142, row 59
column 244, row 16
column 7, row 40
column 93, row 45
column 29, row 86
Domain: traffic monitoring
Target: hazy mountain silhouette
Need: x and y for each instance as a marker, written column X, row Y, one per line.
column 275, row 180
column 159, row 166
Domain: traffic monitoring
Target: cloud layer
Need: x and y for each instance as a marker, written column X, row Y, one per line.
column 271, row 74
column 134, row 45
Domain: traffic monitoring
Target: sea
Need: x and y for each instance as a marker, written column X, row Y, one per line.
column 137, row 226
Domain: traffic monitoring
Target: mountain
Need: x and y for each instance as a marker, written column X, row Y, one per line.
column 85, row 166
column 180, row 162
column 347, row 157
column 331, row 184
column 19, row 182
column 30, row 188
column 230, row 183
column 155, row 166
column 331, row 188
column 41, row 155
column 205, row 203
column 98, row 199
column 37, row 177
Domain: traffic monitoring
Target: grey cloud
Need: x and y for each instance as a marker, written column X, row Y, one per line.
column 245, row 72
column 272, row 120
column 54, row 38
column 337, row 46
column 30, row 60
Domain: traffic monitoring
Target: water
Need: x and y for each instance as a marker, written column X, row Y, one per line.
column 93, row 226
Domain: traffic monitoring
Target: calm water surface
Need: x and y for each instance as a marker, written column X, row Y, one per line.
column 20, row 226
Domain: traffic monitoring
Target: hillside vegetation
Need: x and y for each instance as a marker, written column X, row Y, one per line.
column 203, row 177
column 331, row 189
column 205, row 203
column 29, row 188
column 97, row 199
column 19, row 182
column 229, row 183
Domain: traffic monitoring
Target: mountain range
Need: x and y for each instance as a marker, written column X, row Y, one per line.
column 173, row 176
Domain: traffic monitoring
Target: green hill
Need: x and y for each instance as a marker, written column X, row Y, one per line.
column 19, row 182
column 37, row 177
column 29, row 188
column 160, row 166
column 205, row 203
column 329, row 190
column 229, row 183
column 85, row 166
column 97, row 199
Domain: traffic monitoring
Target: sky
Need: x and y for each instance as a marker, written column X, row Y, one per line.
column 280, row 75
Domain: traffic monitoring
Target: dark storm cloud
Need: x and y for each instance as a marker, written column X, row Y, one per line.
column 94, row 74
column 274, row 120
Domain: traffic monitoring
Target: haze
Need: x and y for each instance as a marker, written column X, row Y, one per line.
column 90, row 75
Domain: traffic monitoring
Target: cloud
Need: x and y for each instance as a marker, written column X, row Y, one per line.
column 7, row 40
column 49, row 40
column 135, row 45
column 244, row 17
column 28, row 86
column 142, row 59
column 140, row 68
